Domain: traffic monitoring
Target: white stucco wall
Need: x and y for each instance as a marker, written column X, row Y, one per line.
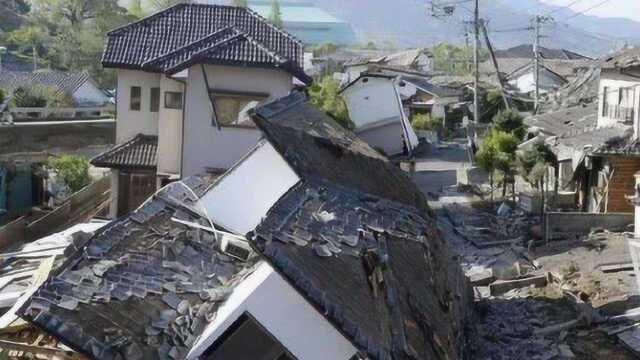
column 205, row 145
column 614, row 81
column 169, row 130
column 130, row 123
column 372, row 101
column 88, row 94
column 115, row 188
column 287, row 316
column 243, row 196
column 375, row 102
column 386, row 137
column 526, row 83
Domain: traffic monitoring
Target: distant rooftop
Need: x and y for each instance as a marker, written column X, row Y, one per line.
column 526, row 51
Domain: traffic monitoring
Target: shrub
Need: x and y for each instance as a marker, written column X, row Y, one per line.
column 72, row 170
column 2, row 96
column 425, row 122
column 40, row 96
column 324, row 94
column 510, row 121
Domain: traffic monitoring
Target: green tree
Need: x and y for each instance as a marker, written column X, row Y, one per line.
column 72, row 170
column 135, row 9
column 324, row 95
column 275, row 16
column 497, row 153
column 35, row 95
column 12, row 14
column 157, row 5
column 534, row 163
column 510, row 121
column 240, row 3
column 425, row 122
column 29, row 38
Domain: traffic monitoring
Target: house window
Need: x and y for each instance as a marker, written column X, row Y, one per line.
column 173, row 100
column 136, row 98
column 246, row 330
column 154, row 105
column 231, row 109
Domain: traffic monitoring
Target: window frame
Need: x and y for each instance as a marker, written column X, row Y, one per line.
column 253, row 96
column 234, row 327
column 166, row 97
column 154, row 102
column 138, row 103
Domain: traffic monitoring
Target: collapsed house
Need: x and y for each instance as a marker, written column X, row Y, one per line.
column 333, row 254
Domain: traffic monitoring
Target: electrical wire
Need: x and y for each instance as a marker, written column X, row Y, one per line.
column 587, row 10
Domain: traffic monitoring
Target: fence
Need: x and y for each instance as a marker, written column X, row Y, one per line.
column 79, row 207
column 573, row 224
column 39, row 113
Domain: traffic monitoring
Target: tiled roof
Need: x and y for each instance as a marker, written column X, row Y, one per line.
column 622, row 59
column 145, row 286
column 426, row 85
column 565, row 121
column 186, row 34
column 141, row 152
column 623, row 144
column 66, row 82
column 352, row 208
column 526, row 51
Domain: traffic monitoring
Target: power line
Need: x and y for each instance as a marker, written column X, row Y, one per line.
column 568, row 6
column 587, row 10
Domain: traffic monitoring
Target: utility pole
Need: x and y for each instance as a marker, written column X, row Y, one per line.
column 476, row 60
column 539, row 20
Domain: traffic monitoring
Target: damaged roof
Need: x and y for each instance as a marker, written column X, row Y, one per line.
column 145, row 286
column 623, row 143
column 356, row 239
column 565, row 121
column 622, row 59
column 316, row 146
column 190, row 33
column 141, row 152
column 66, row 82
column 526, row 51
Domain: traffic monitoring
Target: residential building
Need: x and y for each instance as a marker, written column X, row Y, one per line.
column 333, row 254
column 382, row 103
column 417, row 60
column 609, row 168
column 80, row 87
column 557, row 67
column 377, row 111
column 186, row 78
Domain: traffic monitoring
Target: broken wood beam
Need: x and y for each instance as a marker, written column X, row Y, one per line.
column 503, row 286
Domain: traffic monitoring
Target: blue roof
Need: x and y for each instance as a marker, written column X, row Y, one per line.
column 308, row 22
column 295, row 12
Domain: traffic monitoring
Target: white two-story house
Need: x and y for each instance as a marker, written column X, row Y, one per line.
column 614, row 158
column 186, row 78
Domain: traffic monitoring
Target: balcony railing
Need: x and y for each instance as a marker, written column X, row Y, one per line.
column 618, row 112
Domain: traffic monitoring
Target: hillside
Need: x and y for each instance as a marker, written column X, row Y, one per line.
column 408, row 23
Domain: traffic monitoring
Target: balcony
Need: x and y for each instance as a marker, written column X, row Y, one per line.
column 622, row 113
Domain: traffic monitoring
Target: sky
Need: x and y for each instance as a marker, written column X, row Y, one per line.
column 613, row 8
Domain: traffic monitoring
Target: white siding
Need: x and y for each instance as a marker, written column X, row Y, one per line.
column 205, row 145
column 241, row 199
column 526, row 83
column 372, row 101
column 385, row 137
column 282, row 311
column 170, row 130
column 130, row 123
column 89, row 94
column 614, row 82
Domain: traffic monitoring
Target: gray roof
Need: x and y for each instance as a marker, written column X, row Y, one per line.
column 622, row 144
column 141, row 152
column 190, row 33
column 575, row 119
column 424, row 84
column 144, row 287
column 589, row 141
column 352, row 209
column 622, row 59
column 526, row 51
column 65, row 82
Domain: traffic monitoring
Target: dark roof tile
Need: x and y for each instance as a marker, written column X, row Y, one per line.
column 185, row 34
column 141, row 152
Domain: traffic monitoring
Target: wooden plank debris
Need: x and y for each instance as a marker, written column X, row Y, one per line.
column 501, row 287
